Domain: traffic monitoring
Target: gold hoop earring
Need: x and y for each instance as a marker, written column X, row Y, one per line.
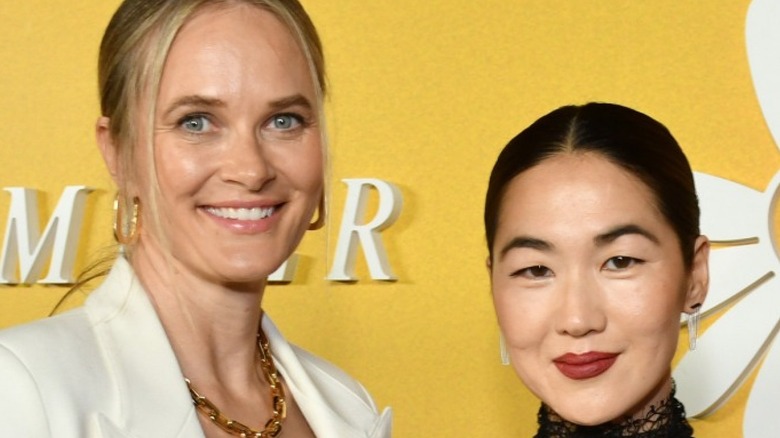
column 320, row 221
column 126, row 233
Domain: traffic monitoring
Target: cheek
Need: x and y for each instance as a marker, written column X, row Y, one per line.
column 653, row 317
column 524, row 322
column 312, row 177
column 177, row 171
column 522, row 317
column 308, row 169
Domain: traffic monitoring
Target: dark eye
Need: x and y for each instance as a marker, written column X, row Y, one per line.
column 533, row 272
column 284, row 122
column 197, row 124
column 620, row 263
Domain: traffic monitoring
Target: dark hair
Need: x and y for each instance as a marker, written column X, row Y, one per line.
column 626, row 137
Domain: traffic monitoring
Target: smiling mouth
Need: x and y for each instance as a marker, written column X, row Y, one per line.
column 585, row 366
column 242, row 214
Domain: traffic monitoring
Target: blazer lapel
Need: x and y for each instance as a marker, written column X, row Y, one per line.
column 105, row 428
column 154, row 400
column 332, row 408
column 383, row 428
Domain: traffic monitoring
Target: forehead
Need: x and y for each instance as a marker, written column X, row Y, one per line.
column 576, row 194
column 226, row 48
column 217, row 19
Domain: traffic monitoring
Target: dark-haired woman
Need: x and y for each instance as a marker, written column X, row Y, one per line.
column 592, row 225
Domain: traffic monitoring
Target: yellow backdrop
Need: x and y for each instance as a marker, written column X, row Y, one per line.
column 424, row 94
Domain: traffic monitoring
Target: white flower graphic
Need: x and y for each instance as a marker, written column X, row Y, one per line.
column 743, row 266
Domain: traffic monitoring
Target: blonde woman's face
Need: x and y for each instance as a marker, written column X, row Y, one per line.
column 588, row 285
column 237, row 146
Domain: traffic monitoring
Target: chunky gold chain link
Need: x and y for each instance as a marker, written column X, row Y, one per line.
column 273, row 427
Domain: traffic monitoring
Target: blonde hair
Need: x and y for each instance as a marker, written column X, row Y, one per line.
column 133, row 51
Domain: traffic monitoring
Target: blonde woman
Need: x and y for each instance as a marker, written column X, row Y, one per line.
column 211, row 128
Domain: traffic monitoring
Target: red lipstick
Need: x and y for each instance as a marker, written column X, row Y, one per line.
column 586, row 365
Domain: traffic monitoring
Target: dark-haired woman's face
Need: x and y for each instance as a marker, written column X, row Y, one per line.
column 589, row 284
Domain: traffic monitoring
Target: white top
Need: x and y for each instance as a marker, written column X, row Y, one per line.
column 107, row 370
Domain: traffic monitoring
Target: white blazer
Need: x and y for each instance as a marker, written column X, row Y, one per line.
column 107, row 370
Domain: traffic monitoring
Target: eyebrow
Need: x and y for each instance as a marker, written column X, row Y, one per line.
column 194, row 100
column 294, row 100
column 622, row 230
column 525, row 242
column 600, row 240
column 198, row 100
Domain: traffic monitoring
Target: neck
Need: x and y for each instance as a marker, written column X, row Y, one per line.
column 212, row 327
column 664, row 417
column 659, row 395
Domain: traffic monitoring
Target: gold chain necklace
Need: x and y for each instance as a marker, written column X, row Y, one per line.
column 273, row 427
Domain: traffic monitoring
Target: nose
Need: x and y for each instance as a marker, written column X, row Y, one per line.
column 246, row 161
column 581, row 308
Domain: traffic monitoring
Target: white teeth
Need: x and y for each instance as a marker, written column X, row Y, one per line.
column 242, row 214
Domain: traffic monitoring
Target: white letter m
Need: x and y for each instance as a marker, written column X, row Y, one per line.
column 23, row 245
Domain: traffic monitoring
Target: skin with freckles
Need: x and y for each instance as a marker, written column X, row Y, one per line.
column 588, row 284
column 239, row 174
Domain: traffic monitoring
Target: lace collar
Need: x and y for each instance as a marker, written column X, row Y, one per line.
column 667, row 420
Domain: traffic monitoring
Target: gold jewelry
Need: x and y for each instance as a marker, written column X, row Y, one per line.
column 273, row 427
column 320, row 221
column 126, row 233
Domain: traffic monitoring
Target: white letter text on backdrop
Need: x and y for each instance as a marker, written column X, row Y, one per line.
column 353, row 231
column 24, row 247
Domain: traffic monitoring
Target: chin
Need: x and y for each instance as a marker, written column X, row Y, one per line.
column 584, row 414
column 249, row 273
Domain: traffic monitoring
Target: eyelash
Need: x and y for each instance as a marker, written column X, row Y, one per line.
column 540, row 271
column 300, row 120
column 530, row 274
column 191, row 117
column 632, row 261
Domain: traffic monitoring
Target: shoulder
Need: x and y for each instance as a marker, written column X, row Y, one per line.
column 63, row 348
column 330, row 376
column 42, row 340
column 43, row 365
column 22, row 399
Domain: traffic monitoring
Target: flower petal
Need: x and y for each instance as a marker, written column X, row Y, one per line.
column 721, row 199
column 761, row 414
column 737, row 270
column 727, row 352
column 762, row 35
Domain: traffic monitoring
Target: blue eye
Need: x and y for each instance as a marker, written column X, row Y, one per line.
column 285, row 122
column 197, row 124
column 620, row 263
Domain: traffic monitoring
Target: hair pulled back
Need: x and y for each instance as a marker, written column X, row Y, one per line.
column 626, row 137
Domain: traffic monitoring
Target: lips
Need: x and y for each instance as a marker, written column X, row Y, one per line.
column 244, row 214
column 244, row 218
column 585, row 366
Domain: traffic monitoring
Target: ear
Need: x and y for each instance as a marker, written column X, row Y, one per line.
column 108, row 149
column 489, row 265
column 700, row 274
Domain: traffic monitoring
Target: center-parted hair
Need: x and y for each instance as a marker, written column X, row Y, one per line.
column 626, row 137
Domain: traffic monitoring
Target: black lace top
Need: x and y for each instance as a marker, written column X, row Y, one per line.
column 667, row 420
